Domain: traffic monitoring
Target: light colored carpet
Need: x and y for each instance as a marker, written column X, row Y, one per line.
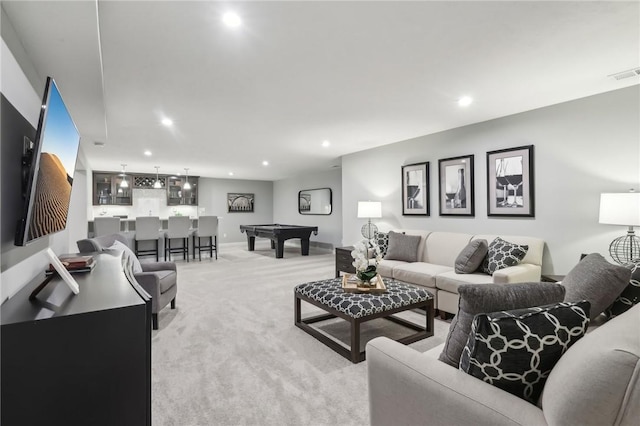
column 231, row 355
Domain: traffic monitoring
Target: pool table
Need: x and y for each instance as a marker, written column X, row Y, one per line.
column 278, row 234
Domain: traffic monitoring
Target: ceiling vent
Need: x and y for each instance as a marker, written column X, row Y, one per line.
column 626, row 74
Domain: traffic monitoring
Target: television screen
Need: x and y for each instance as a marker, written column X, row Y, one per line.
column 49, row 177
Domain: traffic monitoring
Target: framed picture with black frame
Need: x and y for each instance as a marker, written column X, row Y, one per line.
column 510, row 184
column 415, row 189
column 456, row 186
column 240, row 202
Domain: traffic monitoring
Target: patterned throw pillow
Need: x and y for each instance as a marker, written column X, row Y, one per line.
column 629, row 296
column 503, row 254
column 516, row 350
column 382, row 239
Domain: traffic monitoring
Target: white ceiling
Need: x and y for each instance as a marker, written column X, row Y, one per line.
column 359, row 74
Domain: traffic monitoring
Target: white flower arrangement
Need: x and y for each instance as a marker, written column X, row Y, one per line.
column 366, row 257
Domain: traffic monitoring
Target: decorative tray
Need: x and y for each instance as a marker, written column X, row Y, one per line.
column 351, row 284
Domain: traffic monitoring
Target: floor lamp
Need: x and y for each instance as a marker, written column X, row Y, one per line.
column 369, row 210
column 622, row 209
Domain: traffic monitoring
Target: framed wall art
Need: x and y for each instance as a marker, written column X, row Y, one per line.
column 415, row 189
column 456, row 186
column 240, row 203
column 510, row 182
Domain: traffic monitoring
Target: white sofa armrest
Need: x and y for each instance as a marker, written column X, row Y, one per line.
column 407, row 387
column 524, row 272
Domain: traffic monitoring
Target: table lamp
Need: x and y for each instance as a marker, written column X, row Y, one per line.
column 622, row 209
column 369, row 210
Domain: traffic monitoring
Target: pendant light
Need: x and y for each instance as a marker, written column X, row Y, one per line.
column 124, row 183
column 187, row 185
column 157, row 184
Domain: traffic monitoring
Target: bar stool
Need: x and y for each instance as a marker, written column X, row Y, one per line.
column 147, row 229
column 179, row 227
column 207, row 228
column 105, row 226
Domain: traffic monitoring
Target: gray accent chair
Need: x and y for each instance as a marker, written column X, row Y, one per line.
column 159, row 279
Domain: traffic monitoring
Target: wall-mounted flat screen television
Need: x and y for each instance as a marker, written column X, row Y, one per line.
column 48, row 169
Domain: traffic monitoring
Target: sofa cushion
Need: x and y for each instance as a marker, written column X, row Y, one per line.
column 419, row 273
column 442, row 248
column 471, row 257
column 403, row 247
column 630, row 296
column 596, row 280
column 516, row 350
column 482, row 298
column 503, row 254
column 385, row 267
column 450, row 281
column 128, row 254
column 382, row 239
column 597, row 381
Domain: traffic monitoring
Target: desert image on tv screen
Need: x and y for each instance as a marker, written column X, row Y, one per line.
column 60, row 140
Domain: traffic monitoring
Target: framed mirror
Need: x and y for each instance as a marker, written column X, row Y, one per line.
column 315, row 201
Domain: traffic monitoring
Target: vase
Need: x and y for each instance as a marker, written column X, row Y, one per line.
column 367, row 275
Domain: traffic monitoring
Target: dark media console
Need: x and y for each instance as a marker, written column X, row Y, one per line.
column 78, row 359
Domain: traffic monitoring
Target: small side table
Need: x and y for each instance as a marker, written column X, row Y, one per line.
column 344, row 261
column 546, row 278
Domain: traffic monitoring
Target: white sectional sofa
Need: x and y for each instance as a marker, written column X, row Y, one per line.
column 435, row 270
column 596, row 382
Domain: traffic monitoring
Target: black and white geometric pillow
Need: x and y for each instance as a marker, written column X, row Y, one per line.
column 382, row 239
column 503, row 254
column 629, row 296
column 516, row 350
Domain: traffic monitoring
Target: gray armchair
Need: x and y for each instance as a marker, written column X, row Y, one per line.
column 159, row 279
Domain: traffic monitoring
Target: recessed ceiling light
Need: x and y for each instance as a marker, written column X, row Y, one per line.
column 465, row 101
column 231, row 20
column 147, row 153
column 167, row 122
column 230, row 173
column 265, row 163
column 326, row 144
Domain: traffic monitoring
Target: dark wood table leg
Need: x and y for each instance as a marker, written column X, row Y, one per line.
column 251, row 243
column 304, row 246
column 273, row 244
column 355, row 341
column 297, row 317
column 280, row 249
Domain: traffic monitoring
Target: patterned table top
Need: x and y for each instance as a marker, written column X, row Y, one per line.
column 357, row 305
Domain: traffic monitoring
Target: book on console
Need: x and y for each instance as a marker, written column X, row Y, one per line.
column 74, row 263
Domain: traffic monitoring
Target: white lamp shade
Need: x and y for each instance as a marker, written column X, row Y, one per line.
column 620, row 208
column 369, row 209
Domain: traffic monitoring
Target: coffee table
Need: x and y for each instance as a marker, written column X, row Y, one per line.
column 357, row 308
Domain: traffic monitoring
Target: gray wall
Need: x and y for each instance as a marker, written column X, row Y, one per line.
column 582, row 148
column 285, row 208
column 18, row 82
column 212, row 200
